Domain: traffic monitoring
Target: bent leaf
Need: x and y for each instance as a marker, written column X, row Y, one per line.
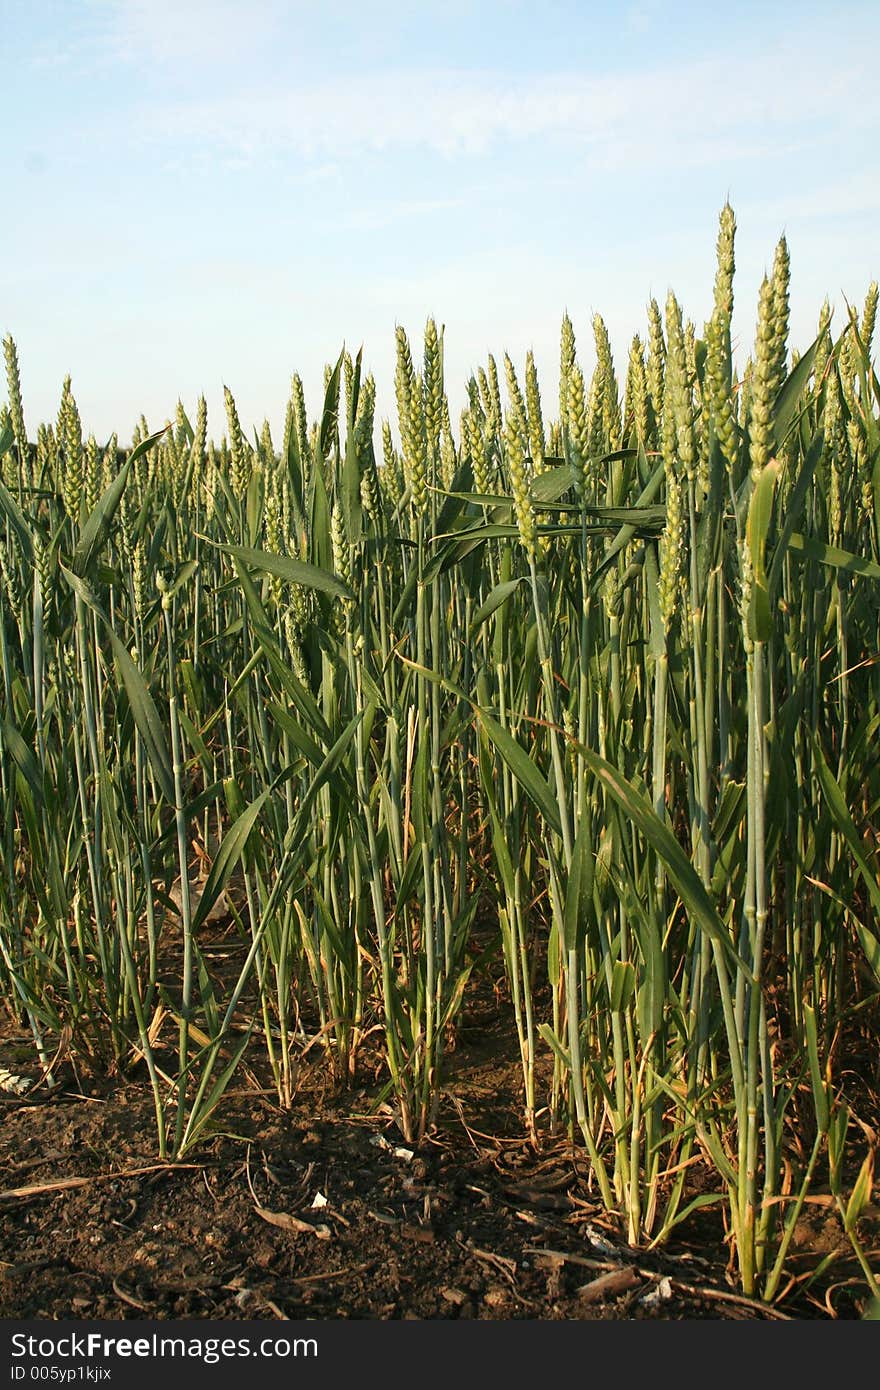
column 285, row 567
column 523, row 769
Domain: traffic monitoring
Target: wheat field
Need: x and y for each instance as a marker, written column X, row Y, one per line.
column 592, row 680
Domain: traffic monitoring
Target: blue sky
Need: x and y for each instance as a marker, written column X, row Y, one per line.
column 198, row 191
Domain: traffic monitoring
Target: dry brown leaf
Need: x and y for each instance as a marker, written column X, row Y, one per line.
column 615, row 1281
column 287, row 1222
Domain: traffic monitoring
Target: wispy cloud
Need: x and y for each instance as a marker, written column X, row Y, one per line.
column 389, row 213
column 98, row 36
column 698, row 111
column 251, row 87
column 828, row 199
column 197, row 31
column 641, row 17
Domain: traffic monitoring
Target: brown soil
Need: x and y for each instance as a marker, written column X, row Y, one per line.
column 324, row 1212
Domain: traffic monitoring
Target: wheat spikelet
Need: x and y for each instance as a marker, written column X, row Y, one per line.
column 522, row 503
column 656, row 365
column 567, row 357
column 238, row 473
column 16, row 409
column 764, row 378
column 70, row 430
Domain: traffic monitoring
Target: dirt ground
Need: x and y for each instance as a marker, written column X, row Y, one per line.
column 324, row 1212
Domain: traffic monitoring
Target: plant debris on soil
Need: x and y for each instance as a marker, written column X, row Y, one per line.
column 325, row 1212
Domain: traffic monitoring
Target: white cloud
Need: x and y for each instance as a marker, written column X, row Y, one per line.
column 256, row 89
column 182, row 31
column 830, row 199
column 387, row 213
column 698, row 113
column 641, row 18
